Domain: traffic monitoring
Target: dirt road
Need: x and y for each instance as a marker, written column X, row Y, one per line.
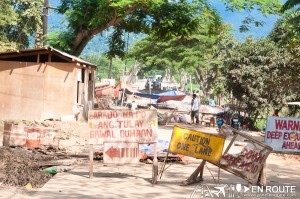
column 116, row 181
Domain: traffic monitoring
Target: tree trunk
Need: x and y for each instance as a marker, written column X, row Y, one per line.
column 183, row 80
column 84, row 36
column 255, row 117
column 110, row 68
column 199, row 77
column 133, row 73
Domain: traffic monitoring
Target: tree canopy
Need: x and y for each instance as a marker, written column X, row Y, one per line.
column 200, row 55
column 161, row 18
column 262, row 75
column 20, row 20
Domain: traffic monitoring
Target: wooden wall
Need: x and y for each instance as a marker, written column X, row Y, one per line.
column 35, row 91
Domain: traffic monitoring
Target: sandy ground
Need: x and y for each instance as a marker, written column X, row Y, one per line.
column 133, row 181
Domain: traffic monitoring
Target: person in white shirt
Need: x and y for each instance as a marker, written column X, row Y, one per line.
column 133, row 105
column 212, row 102
column 195, row 109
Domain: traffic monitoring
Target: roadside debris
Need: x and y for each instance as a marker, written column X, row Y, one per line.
column 24, row 167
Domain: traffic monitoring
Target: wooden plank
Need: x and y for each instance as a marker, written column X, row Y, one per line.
column 193, row 178
column 155, row 165
column 169, row 119
column 22, row 54
column 230, row 170
column 249, row 138
column 230, row 144
column 262, row 178
column 172, row 114
column 38, row 58
column 91, row 160
column 49, row 57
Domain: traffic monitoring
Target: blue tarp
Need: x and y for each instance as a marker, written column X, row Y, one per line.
column 152, row 96
column 161, row 97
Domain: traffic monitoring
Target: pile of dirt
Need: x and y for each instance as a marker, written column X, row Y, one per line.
column 19, row 166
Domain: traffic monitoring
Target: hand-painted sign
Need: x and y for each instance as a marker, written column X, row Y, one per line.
column 283, row 134
column 248, row 163
column 121, row 153
column 196, row 144
column 122, row 126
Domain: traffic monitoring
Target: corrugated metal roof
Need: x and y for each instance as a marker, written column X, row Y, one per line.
column 72, row 58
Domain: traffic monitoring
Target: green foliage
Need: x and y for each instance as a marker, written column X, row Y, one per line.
column 261, row 75
column 116, row 44
column 264, row 6
column 260, row 123
column 148, row 71
column 86, row 18
column 285, row 33
column 60, row 41
column 201, row 54
column 103, row 62
column 20, row 19
column 289, row 4
column 204, row 100
column 291, row 20
column 247, row 22
column 161, row 19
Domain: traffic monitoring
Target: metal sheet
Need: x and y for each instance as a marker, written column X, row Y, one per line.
column 196, row 144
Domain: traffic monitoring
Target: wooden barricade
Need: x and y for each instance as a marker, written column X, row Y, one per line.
column 249, row 164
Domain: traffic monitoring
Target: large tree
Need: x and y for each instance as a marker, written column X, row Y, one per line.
column 261, row 75
column 88, row 18
column 162, row 18
column 200, row 55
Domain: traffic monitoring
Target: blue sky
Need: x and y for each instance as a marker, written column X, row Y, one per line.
column 236, row 18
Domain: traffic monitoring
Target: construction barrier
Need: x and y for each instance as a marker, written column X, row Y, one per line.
column 33, row 137
column 14, row 135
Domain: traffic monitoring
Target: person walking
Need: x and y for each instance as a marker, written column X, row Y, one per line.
column 195, row 109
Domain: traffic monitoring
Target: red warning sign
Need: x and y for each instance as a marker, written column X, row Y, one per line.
column 121, row 153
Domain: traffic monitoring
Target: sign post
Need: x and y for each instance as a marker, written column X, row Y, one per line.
column 121, row 132
column 249, row 162
column 91, row 160
column 283, row 134
column 196, row 144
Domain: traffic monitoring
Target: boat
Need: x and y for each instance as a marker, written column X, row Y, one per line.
column 170, row 95
column 146, row 95
column 160, row 97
